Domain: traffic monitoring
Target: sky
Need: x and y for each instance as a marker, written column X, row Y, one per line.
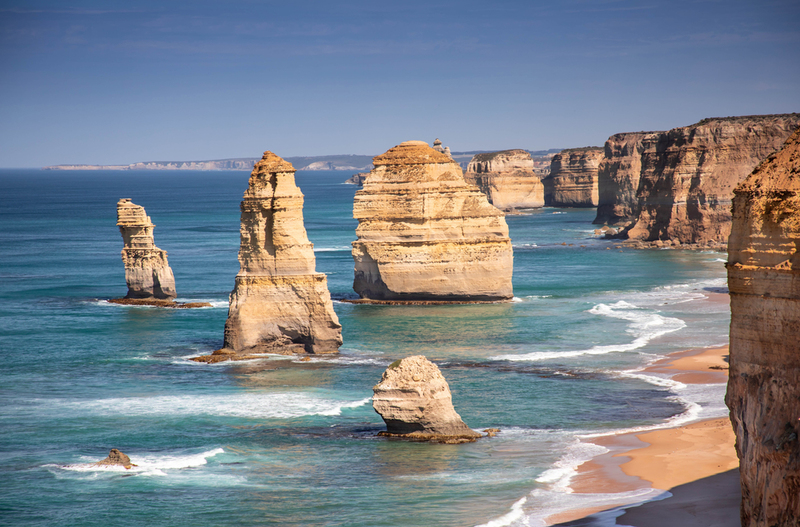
column 116, row 82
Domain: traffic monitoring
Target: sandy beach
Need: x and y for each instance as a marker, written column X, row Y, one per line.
column 695, row 464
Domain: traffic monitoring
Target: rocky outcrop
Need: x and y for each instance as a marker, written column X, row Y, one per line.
column 414, row 400
column 507, row 178
column 147, row 271
column 618, row 177
column 688, row 175
column 279, row 303
column 764, row 384
column 424, row 234
column 357, row 179
column 116, row 458
column 437, row 145
column 573, row 178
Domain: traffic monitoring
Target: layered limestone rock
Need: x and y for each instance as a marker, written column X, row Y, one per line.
column 507, row 178
column 280, row 304
column 573, row 178
column 764, row 384
column 688, row 175
column 424, row 234
column 618, row 177
column 414, row 400
column 147, row 271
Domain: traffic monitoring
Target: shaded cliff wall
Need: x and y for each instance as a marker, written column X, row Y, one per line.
column 573, row 178
column 507, row 178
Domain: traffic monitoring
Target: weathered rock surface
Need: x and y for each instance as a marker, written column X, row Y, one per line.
column 414, row 400
column 764, row 384
column 280, row 304
column 424, row 234
column 115, row 457
column 357, row 179
column 573, row 178
column 507, row 178
column 147, row 271
column 618, row 177
column 688, row 175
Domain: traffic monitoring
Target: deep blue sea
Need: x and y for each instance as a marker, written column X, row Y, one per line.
column 284, row 442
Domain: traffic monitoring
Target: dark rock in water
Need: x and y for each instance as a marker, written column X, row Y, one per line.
column 414, row 400
column 115, row 457
column 157, row 302
column 357, row 179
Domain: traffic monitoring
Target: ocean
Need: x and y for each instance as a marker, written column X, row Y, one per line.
column 281, row 441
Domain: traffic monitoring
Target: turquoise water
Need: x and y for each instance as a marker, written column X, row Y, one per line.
column 284, row 442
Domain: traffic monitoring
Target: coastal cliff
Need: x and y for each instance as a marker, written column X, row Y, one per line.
column 147, row 271
column 507, row 178
column 573, row 178
column 279, row 304
column 688, row 175
column 424, row 234
column 764, row 384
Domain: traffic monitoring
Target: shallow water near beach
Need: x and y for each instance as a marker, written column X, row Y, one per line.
column 285, row 442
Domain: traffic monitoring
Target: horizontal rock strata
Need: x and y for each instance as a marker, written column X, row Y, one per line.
column 425, row 234
column 147, row 271
column 507, row 178
column 415, row 402
column 764, row 384
column 280, row 304
column 573, row 178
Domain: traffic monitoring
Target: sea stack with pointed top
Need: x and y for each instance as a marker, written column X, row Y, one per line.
column 424, row 234
column 147, row 271
column 279, row 304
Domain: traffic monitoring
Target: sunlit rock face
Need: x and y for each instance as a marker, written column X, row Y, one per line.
column 424, row 234
column 764, row 384
column 147, row 271
column 573, row 178
column 279, row 302
column 507, row 178
column 688, row 175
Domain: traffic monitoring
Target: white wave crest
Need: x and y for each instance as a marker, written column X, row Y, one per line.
column 332, row 249
column 508, row 519
column 148, row 464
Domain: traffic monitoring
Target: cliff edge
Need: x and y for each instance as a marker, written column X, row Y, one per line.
column 507, row 178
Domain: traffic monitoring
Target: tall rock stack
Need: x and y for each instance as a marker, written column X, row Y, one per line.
column 280, row 304
column 764, row 384
column 147, row 271
column 424, row 234
column 573, row 178
column 507, row 178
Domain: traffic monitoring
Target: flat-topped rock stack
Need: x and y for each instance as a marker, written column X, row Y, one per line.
column 764, row 382
column 424, row 234
column 573, row 178
column 147, row 271
column 279, row 304
column 507, row 178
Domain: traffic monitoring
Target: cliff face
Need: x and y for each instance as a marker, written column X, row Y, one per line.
column 147, row 271
column 618, row 177
column 764, row 385
column 507, row 178
column 688, row 175
column 279, row 303
column 573, row 178
column 424, row 234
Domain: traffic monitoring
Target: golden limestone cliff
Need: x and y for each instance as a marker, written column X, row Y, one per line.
column 764, row 384
column 507, row 178
column 424, row 234
column 279, row 304
column 573, row 178
column 147, row 271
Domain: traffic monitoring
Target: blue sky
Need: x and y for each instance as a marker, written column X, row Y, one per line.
column 117, row 82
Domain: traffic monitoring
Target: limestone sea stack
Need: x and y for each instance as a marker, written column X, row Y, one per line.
column 764, row 384
column 688, row 175
column 424, row 234
column 414, row 400
column 147, row 271
column 507, row 178
column 279, row 304
column 573, row 178
column 116, row 458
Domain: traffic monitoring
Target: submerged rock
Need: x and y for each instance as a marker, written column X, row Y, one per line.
column 507, row 178
column 147, row 271
column 115, row 457
column 279, row 304
column 424, row 234
column 764, row 383
column 414, row 400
